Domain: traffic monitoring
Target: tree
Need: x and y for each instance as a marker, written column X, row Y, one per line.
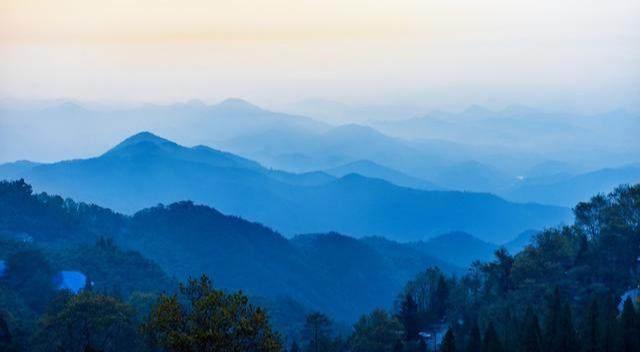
column 474, row 343
column 377, row 332
column 87, row 321
column 440, row 297
column 317, row 332
column 567, row 341
column 530, row 334
column 212, row 321
column 449, row 342
column 491, row 341
column 29, row 274
column 398, row 346
column 630, row 332
column 408, row 316
column 294, row 347
column 591, row 329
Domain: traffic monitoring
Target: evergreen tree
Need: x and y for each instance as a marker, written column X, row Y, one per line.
column 212, row 321
column 530, row 334
column 491, row 341
column 474, row 343
column 611, row 326
column 294, row 347
column 375, row 332
column 439, row 298
column 317, row 332
column 408, row 316
column 567, row 340
column 591, row 334
column 630, row 333
column 449, row 342
column 551, row 336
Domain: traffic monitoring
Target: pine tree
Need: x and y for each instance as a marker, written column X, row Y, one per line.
column 530, row 334
column 591, row 335
column 449, row 342
column 408, row 316
column 491, row 341
column 611, row 326
column 474, row 343
column 551, row 336
column 630, row 333
column 567, row 340
column 440, row 297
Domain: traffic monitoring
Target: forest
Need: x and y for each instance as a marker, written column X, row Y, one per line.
column 573, row 288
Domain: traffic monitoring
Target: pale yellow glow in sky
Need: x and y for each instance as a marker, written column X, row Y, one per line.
column 353, row 50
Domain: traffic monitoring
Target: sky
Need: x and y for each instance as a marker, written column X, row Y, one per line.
column 582, row 54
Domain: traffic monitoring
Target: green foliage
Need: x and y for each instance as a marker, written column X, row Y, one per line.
column 376, row 332
column 87, row 321
column 576, row 268
column 408, row 316
column 211, row 320
column 29, row 274
column 531, row 335
column 317, row 333
column 474, row 343
column 629, row 324
column 113, row 270
column 490, row 340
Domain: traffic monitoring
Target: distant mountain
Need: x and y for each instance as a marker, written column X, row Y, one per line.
column 458, row 248
column 567, row 190
column 522, row 240
column 473, row 176
column 373, row 170
column 333, row 273
column 145, row 170
column 311, row 150
column 14, row 169
column 40, row 131
column 524, row 132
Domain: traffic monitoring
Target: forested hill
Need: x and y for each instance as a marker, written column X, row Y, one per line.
column 145, row 170
column 572, row 289
column 187, row 240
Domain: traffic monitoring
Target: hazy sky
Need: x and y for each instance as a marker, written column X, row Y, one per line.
column 581, row 53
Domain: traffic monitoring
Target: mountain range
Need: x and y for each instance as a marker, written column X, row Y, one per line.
column 504, row 152
column 145, row 170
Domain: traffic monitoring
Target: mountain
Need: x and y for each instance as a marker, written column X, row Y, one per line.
column 333, row 273
column 565, row 190
column 521, row 241
column 373, row 170
column 145, row 170
column 458, row 248
column 14, row 169
column 473, row 176
column 519, row 132
column 321, row 150
column 40, row 131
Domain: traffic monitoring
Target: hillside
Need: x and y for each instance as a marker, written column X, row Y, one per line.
column 184, row 239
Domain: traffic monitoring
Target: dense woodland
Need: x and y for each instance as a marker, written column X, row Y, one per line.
column 561, row 293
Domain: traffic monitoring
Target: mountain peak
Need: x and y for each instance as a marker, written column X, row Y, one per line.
column 237, row 104
column 145, row 136
column 141, row 137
